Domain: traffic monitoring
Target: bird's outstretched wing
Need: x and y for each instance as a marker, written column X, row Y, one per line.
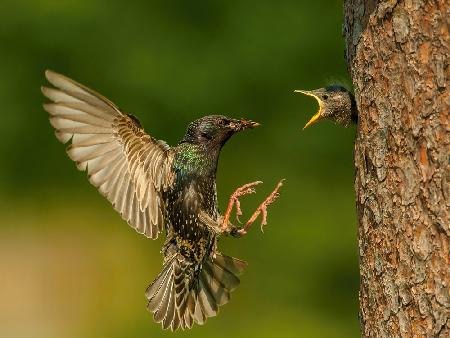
column 130, row 168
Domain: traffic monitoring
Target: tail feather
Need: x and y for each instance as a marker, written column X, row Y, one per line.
column 199, row 316
column 206, row 299
column 160, row 313
column 218, row 290
column 233, row 265
column 189, row 310
column 177, row 300
column 157, row 289
column 227, row 279
column 170, row 313
column 187, row 319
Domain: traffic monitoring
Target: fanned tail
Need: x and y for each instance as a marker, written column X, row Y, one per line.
column 180, row 295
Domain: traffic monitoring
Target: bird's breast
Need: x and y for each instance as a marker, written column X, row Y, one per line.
column 188, row 234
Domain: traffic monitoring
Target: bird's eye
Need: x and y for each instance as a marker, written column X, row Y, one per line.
column 223, row 123
column 325, row 96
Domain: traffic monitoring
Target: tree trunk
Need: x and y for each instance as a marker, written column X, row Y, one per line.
column 398, row 56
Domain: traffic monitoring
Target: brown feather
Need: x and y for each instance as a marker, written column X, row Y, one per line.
column 102, row 136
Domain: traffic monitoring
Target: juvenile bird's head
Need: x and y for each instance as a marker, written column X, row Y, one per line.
column 336, row 103
column 213, row 131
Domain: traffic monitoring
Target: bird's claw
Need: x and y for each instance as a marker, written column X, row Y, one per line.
column 234, row 201
column 262, row 208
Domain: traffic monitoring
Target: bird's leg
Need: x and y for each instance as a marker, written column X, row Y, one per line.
column 234, row 200
column 261, row 209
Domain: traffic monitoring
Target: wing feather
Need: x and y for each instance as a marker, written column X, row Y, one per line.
column 129, row 167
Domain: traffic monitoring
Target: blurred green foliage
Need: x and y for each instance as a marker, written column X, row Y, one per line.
column 70, row 267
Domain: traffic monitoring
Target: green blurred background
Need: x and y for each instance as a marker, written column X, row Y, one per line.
column 70, row 267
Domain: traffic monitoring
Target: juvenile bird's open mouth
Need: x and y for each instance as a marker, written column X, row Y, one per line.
column 316, row 116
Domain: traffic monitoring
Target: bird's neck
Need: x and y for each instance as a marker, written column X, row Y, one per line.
column 196, row 161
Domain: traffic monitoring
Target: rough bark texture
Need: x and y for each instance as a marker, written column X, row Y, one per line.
column 398, row 56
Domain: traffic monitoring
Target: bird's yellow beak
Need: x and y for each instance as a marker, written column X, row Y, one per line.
column 318, row 115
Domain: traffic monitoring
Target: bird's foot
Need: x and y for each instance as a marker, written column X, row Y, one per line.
column 234, row 201
column 262, row 209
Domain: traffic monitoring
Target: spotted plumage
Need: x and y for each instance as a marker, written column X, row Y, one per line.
column 156, row 188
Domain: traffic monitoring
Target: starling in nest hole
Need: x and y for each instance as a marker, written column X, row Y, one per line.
column 155, row 187
column 336, row 104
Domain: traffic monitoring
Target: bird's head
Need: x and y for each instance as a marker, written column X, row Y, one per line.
column 335, row 102
column 213, row 131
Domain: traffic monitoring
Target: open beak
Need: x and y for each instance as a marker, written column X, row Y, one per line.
column 238, row 125
column 318, row 115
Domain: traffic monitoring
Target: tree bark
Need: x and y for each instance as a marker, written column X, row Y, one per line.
column 398, row 57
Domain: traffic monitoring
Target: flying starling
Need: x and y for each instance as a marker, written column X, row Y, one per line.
column 336, row 103
column 155, row 187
